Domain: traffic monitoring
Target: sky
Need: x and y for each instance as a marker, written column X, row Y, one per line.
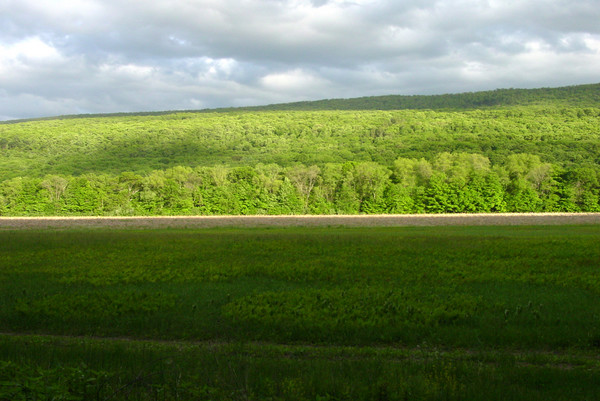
column 62, row 57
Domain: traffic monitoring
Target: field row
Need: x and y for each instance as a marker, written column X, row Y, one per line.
column 83, row 368
column 403, row 220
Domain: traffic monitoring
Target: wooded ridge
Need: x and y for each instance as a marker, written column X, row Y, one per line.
column 542, row 154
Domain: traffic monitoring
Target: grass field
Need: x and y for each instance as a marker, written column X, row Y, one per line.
column 320, row 313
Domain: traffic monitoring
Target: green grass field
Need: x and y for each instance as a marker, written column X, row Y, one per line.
column 432, row 313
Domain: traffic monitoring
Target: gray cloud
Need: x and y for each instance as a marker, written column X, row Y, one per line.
column 85, row 56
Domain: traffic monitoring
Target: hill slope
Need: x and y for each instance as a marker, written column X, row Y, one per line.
column 580, row 96
column 570, row 96
column 541, row 156
column 141, row 144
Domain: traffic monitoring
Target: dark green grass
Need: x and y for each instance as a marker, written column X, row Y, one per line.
column 519, row 287
column 520, row 302
column 108, row 369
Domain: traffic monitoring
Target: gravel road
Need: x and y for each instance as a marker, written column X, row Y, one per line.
column 301, row 221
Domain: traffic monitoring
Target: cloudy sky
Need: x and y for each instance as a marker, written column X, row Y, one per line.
column 91, row 56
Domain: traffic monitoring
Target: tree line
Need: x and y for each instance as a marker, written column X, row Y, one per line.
column 578, row 95
column 446, row 183
column 571, row 96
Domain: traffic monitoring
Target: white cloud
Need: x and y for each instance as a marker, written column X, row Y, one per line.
column 592, row 43
column 28, row 51
column 295, row 80
column 126, row 71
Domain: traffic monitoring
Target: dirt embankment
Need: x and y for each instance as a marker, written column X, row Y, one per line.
column 302, row 221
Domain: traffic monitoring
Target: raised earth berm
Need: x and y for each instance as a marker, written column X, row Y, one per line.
column 398, row 220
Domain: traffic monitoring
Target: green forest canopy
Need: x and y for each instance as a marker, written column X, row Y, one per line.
column 543, row 143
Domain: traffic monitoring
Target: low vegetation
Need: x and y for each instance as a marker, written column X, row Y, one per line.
column 324, row 313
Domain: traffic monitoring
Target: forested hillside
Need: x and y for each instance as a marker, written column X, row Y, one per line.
column 579, row 96
column 563, row 136
column 568, row 96
column 514, row 158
